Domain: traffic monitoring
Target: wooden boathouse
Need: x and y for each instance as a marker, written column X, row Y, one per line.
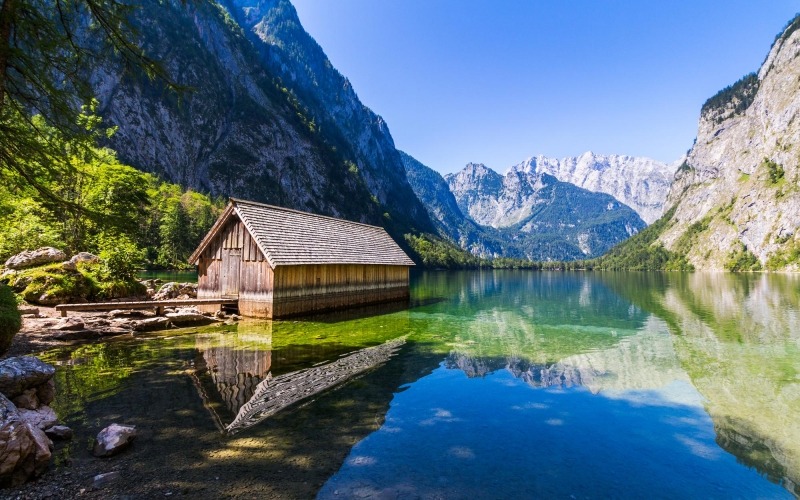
column 278, row 262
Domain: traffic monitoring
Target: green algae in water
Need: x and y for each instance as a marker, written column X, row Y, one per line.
column 649, row 371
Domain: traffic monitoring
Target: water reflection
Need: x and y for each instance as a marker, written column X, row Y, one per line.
column 510, row 383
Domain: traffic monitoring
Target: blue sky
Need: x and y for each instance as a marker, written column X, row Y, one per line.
column 497, row 81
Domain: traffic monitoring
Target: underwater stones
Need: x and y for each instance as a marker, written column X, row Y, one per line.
column 61, row 432
column 31, row 258
column 24, row 449
column 101, row 480
column 114, row 439
column 28, row 310
column 23, row 372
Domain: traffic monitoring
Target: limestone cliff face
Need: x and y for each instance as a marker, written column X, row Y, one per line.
column 640, row 183
column 544, row 218
column 292, row 55
column 739, row 186
column 235, row 133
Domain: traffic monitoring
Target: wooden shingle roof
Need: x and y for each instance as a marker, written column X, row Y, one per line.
column 290, row 237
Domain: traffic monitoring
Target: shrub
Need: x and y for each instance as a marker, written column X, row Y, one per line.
column 775, row 172
column 10, row 320
column 741, row 259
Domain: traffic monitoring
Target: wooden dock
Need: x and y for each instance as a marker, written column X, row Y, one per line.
column 157, row 305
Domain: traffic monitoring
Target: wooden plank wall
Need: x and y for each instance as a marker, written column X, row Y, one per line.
column 292, row 290
column 314, row 288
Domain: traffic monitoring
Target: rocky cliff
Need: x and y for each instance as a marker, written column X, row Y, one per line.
column 640, row 183
column 241, row 132
column 434, row 193
column 542, row 217
column 363, row 137
column 736, row 199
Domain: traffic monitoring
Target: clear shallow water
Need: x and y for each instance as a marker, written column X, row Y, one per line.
column 167, row 276
column 493, row 385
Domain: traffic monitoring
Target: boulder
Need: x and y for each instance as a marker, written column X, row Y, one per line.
column 84, row 257
column 29, row 258
column 46, row 392
column 42, row 418
column 24, row 449
column 167, row 291
column 113, row 331
column 23, row 372
column 28, row 400
column 151, row 324
column 72, row 323
column 190, row 318
column 113, row 439
column 28, row 310
column 69, row 266
column 59, row 432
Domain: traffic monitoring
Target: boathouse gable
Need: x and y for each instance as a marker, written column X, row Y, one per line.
column 279, row 262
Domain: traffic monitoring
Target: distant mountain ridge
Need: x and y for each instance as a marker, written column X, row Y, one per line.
column 641, row 183
column 522, row 214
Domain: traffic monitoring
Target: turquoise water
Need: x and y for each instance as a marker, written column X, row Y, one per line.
column 167, row 276
column 493, row 384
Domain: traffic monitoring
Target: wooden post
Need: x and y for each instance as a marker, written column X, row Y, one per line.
column 63, row 313
column 159, row 310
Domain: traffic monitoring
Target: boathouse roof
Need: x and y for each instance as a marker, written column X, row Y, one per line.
column 289, row 237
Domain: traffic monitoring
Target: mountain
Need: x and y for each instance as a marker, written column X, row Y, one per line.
column 292, row 55
column 735, row 202
column 247, row 128
column 435, row 195
column 640, row 183
column 541, row 217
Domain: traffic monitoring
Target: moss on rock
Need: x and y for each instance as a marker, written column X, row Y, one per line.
column 10, row 320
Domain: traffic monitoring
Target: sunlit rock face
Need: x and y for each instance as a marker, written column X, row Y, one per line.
column 740, row 178
column 640, row 183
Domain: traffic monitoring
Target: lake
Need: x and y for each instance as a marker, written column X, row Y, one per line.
column 492, row 384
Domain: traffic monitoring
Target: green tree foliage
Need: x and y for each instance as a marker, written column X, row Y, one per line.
column 10, row 320
column 733, row 99
column 775, row 172
column 642, row 251
column 142, row 220
column 45, row 48
column 741, row 260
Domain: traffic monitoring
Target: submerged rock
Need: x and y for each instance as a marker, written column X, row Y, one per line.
column 113, row 439
column 33, row 258
column 101, row 480
column 20, row 373
column 24, row 449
